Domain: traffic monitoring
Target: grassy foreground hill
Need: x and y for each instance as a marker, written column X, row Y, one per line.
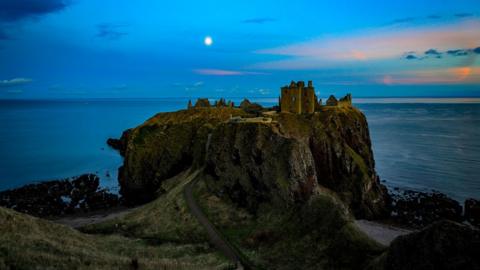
column 319, row 235
column 159, row 235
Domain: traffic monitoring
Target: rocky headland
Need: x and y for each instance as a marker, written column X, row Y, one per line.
column 282, row 190
column 257, row 156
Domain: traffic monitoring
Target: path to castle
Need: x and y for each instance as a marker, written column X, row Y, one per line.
column 215, row 236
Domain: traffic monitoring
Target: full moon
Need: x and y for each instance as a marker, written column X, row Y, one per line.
column 208, row 40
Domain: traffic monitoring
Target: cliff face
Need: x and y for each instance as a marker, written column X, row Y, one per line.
column 163, row 146
column 281, row 159
column 252, row 163
column 294, row 157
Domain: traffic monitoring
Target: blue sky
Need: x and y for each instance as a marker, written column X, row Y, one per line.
column 119, row 48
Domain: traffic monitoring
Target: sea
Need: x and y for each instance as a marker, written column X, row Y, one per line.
column 421, row 144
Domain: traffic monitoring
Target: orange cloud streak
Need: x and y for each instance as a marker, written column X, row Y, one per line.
column 386, row 43
column 466, row 75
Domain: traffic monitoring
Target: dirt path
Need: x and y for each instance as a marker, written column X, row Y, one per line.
column 384, row 234
column 77, row 221
column 212, row 232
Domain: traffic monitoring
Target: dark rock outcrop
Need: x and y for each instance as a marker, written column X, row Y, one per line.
column 251, row 164
column 56, row 198
column 444, row 245
column 418, row 209
column 120, row 144
column 472, row 211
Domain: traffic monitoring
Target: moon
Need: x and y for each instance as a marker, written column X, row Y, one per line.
column 208, row 41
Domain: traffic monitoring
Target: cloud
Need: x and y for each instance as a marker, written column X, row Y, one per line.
column 14, row 82
column 110, row 31
column 264, row 91
column 438, row 54
column 464, row 75
column 434, row 17
column 223, row 72
column 402, row 20
column 386, row 43
column 434, row 53
column 14, row 10
column 189, row 86
column 464, row 15
column 458, row 52
column 259, row 20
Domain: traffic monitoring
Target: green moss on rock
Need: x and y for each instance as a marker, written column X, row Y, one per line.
column 281, row 162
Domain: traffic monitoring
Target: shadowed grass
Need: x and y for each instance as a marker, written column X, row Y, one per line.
column 318, row 235
column 166, row 219
column 159, row 235
column 31, row 243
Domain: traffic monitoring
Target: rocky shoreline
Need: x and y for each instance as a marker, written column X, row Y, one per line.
column 415, row 209
column 82, row 194
column 60, row 197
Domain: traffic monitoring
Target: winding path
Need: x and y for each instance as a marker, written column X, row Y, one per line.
column 215, row 236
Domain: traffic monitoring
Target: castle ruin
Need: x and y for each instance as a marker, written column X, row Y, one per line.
column 298, row 98
column 295, row 98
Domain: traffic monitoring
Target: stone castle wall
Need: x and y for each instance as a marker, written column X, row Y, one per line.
column 296, row 98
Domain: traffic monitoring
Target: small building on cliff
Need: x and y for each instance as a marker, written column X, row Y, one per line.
column 298, row 98
column 332, row 101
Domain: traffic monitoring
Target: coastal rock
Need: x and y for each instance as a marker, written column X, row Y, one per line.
column 288, row 158
column 418, row 209
column 442, row 245
column 164, row 146
column 56, row 198
column 251, row 164
column 285, row 159
column 120, row 144
column 472, row 211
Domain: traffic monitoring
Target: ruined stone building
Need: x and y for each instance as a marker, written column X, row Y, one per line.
column 332, row 101
column 298, row 98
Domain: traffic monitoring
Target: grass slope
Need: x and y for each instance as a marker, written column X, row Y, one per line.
column 166, row 219
column 158, row 235
column 32, row 243
column 319, row 235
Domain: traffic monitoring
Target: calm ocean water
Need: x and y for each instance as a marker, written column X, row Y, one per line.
column 419, row 146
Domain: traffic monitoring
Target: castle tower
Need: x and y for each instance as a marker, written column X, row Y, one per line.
column 296, row 98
